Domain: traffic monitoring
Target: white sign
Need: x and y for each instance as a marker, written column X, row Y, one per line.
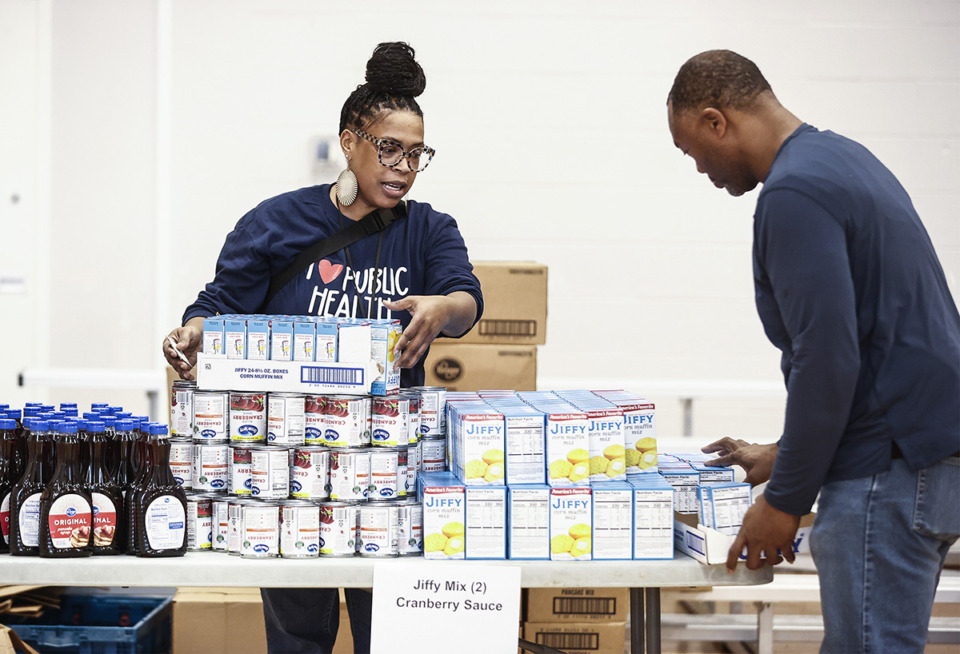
column 445, row 607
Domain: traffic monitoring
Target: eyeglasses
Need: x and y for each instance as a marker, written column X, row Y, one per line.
column 392, row 153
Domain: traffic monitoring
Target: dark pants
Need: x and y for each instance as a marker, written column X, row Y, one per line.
column 301, row 620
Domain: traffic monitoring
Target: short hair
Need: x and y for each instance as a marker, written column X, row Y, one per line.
column 394, row 80
column 716, row 78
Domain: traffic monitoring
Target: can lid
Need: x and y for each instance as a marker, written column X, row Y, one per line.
column 297, row 502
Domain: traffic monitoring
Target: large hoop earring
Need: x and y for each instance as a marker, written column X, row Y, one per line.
column 346, row 187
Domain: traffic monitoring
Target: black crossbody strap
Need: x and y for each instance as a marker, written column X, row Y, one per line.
column 373, row 222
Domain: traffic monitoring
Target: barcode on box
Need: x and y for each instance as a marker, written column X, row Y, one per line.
column 568, row 641
column 322, row 375
column 508, row 327
column 585, row 605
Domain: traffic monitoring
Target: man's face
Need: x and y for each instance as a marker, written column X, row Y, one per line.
column 712, row 148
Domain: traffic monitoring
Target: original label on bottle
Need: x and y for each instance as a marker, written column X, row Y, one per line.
column 69, row 521
column 29, row 521
column 5, row 518
column 165, row 521
column 104, row 520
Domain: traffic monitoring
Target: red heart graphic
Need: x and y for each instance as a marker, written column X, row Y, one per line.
column 328, row 271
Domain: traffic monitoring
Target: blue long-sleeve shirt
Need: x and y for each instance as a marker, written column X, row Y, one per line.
column 422, row 254
column 849, row 288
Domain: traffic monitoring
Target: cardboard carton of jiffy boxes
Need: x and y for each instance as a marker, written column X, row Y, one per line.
column 710, row 546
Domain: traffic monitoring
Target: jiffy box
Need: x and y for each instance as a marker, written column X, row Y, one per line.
column 710, row 546
column 286, row 376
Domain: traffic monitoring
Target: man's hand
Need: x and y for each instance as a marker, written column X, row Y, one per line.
column 767, row 531
column 756, row 460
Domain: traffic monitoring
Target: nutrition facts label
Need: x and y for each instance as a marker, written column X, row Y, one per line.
column 529, row 522
column 525, row 456
column 486, row 523
column 653, row 524
column 611, row 525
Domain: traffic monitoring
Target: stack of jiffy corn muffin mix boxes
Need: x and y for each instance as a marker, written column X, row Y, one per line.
column 565, row 475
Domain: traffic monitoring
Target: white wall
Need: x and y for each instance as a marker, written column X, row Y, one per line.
column 549, row 122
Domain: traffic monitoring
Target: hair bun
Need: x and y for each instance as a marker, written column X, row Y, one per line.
column 393, row 69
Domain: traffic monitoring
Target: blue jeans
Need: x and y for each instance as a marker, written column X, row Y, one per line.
column 879, row 545
column 307, row 619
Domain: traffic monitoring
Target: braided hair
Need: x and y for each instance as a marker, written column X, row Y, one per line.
column 394, row 80
column 716, row 78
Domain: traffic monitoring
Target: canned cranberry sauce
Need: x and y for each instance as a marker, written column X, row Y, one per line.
column 356, row 474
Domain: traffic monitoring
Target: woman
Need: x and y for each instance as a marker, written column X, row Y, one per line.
column 416, row 269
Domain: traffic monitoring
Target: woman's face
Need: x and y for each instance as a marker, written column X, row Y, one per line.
column 383, row 186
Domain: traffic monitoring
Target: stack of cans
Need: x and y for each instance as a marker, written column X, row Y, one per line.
column 301, row 475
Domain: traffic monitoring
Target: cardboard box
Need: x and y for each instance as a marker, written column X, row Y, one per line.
column 212, row 620
column 577, row 604
column 514, row 303
column 578, row 638
column 461, row 367
column 287, row 376
column 230, row 620
column 710, row 546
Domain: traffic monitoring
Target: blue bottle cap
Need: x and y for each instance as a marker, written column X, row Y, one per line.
column 8, row 423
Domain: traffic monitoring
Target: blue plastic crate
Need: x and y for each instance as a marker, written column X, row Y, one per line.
column 102, row 624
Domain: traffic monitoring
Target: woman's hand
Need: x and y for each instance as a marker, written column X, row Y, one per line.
column 188, row 340
column 429, row 316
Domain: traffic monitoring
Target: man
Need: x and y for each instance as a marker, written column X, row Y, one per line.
column 849, row 288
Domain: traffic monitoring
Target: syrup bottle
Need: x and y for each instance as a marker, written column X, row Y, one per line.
column 66, row 513
column 8, row 445
column 121, row 457
column 25, row 495
column 161, row 504
column 19, row 455
column 108, row 535
column 139, row 465
column 111, row 455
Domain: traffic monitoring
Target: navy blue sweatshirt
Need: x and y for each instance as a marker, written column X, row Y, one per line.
column 422, row 254
column 849, row 288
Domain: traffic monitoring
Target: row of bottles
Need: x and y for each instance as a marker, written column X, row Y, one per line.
column 70, row 488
